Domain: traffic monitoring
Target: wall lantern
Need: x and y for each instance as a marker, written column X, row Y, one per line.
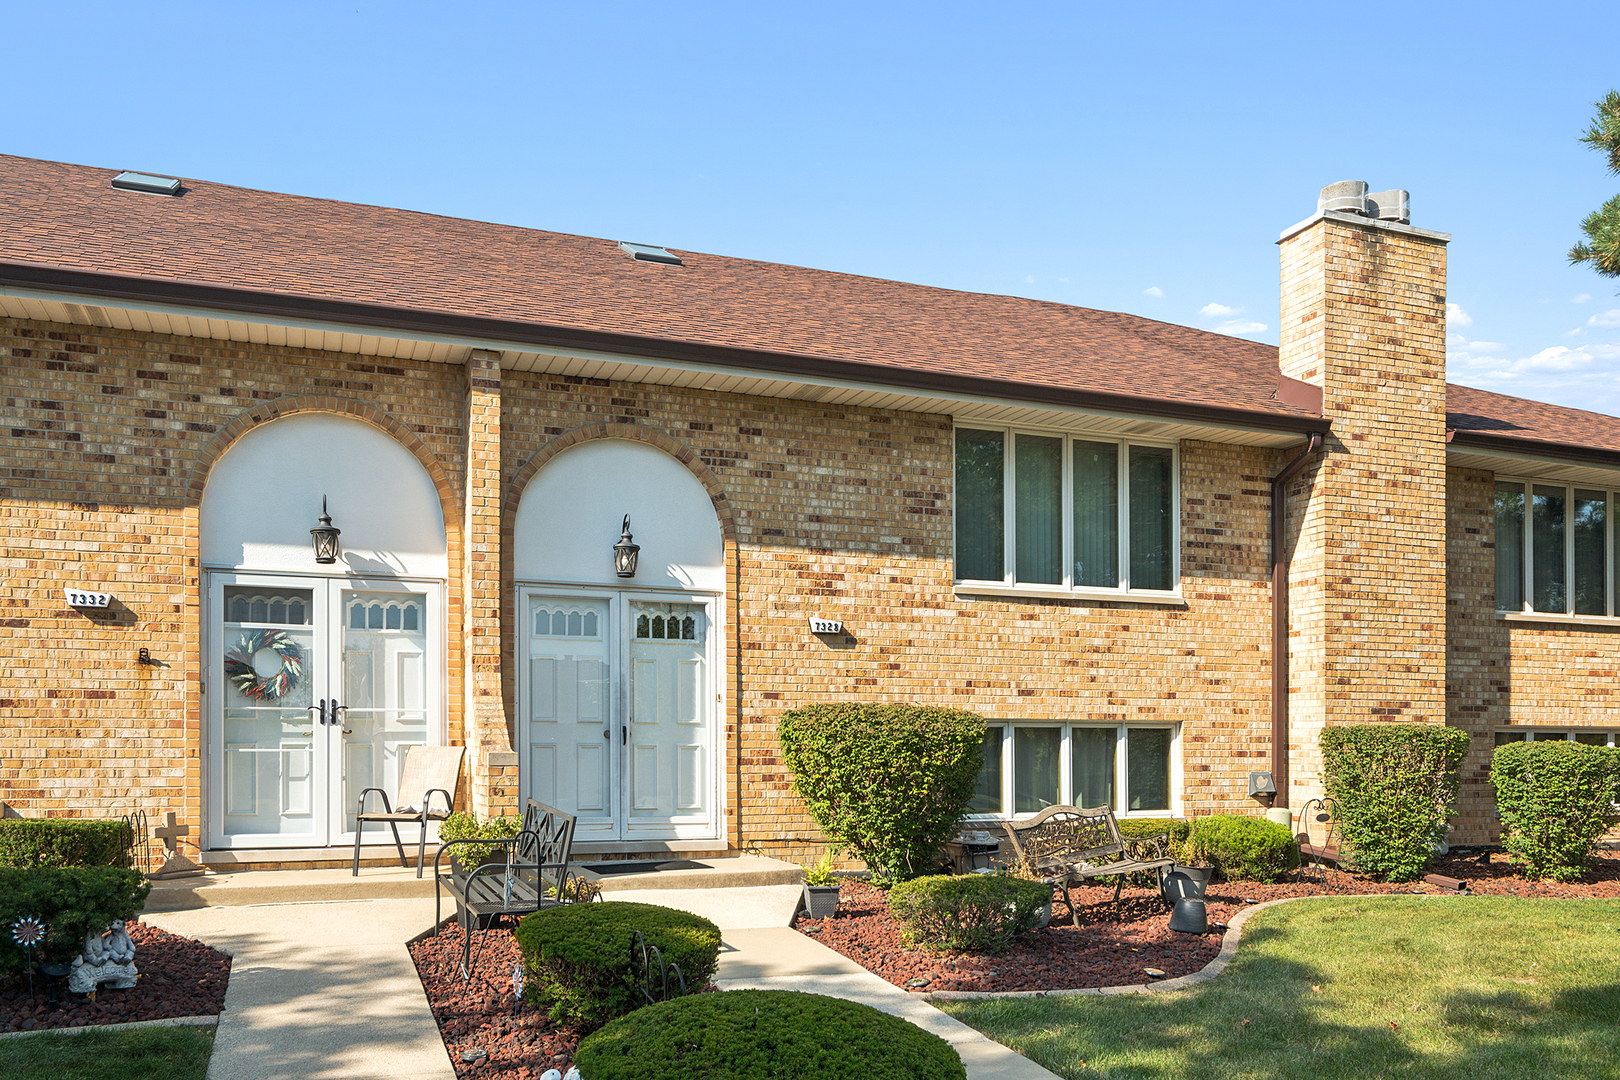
column 1261, row 787
column 625, row 553
column 325, row 537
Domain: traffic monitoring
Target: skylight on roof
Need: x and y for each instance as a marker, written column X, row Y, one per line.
column 155, row 185
column 648, row 253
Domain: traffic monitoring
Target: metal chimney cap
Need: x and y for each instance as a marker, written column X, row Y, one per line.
column 1345, row 197
column 1390, row 206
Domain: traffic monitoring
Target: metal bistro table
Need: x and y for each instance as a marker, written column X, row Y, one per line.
column 972, row 851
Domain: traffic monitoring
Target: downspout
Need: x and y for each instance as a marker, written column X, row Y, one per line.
column 1279, row 621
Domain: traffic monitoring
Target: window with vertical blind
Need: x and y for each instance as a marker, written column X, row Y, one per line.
column 1030, row 766
column 1554, row 549
column 1050, row 511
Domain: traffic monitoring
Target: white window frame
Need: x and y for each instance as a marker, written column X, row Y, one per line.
column 1066, row 768
column 1009, row 518
column 1612, row 738
column 1526, row 610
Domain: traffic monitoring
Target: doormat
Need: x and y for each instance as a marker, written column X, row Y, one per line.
column 608, row 869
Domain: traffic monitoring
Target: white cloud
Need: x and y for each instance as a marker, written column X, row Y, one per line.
column 1456, row 316
column 1581, row 299
column 1153, row 290
column 1219, row 311
column 1240, row 326
column 1029, row 279
column 1607, row 319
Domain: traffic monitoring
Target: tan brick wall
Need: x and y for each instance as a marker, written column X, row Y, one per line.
column 483, row 594
column 1502, row 675
column 840, row 512
column 1363, row 316
column 103, row 454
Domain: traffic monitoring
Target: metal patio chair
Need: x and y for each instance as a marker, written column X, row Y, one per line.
column 429, row 771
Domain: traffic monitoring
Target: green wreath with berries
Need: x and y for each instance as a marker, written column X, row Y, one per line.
column 249, row 683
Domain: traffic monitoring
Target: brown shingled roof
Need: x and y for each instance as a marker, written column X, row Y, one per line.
column 1496, row 421
column 70, row 217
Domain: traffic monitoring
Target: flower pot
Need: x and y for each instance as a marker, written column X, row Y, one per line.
column 820, row 901
column 1184, row 883
column 1043, row 918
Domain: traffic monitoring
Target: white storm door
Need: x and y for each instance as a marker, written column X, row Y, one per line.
column 570, row 711
column 268, row 753
column 386, row 695
column 669, row 748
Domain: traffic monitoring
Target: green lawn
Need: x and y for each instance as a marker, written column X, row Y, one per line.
column 1479, row 988
column 154, row 1053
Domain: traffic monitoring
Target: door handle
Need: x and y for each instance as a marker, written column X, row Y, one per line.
column 320, row 709
column 626, row 730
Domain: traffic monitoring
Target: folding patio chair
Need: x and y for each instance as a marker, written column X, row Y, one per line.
column 429, row 771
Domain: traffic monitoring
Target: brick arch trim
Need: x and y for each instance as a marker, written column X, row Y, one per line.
column 637, row 433
column 264, row 413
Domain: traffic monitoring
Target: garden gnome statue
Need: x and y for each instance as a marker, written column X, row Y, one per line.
column 108, row 957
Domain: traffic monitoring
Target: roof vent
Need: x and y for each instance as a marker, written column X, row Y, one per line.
column 155, row 185
column 648, row 253
column 1345, row 197
column 1389, row 206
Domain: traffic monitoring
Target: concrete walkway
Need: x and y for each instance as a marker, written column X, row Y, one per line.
column 323, row 990
column 328, row 990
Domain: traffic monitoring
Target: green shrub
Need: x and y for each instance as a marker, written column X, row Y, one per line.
column 1395, row 785
column 1132, row 830
column 1556, row 799
column 1243, row 848
column 31, row 842
column 71, row 901
column 578, row 955
column 459, row 826
column 969, row 912
column 888, row 782
column 765, row 1035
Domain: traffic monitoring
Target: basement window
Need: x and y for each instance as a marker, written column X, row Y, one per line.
column 1128, row 768
column 648, row 253
column 153, row 185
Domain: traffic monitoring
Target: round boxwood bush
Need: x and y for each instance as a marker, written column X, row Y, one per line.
column 578, row 956
column 890, row 782
column 765, row 1035
column 1243, row 848
column 970, row 912
column 1556, row 800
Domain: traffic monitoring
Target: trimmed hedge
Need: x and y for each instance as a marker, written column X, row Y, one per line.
column 71, row 901
column 578, row 955
column 32, row 842
column 1243, row 848
column 889, row 782
column 1395, row 785
column 969, row 912
column 1556, row 800
column 765, row 1035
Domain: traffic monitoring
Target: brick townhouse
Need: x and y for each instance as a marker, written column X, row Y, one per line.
column 837, row 488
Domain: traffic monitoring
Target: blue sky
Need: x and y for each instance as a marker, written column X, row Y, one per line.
column 1128, row 157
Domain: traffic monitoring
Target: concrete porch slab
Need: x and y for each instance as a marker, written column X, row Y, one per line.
column 244, row 887
column 727, row 872
column 729, row 909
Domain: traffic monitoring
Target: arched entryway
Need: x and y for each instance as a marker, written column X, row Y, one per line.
column 316, row 678
column 620, row 696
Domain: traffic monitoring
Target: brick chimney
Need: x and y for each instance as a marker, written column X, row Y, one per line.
column 1364, row 318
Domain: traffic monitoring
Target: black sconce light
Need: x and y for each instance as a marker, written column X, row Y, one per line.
column 1262, row 787
column 625, row 553
column 325, row 537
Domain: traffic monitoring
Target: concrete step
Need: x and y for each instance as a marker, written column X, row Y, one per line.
column 725, row 872
column 242, row 887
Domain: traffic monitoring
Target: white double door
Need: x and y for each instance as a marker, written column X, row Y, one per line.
column 618, row 707
column 315, row 688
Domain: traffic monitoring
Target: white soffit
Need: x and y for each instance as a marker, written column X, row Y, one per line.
column 42, row 305
column 1533, row 467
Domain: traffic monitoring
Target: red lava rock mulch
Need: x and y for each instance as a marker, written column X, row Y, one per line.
column 478, row 1014
column 179, row 977
column 1110, row 950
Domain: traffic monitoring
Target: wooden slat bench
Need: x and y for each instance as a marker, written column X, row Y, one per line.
column 1064, row 844
column 533, row 875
